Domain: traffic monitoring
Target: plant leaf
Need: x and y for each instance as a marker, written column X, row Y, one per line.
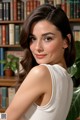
column 75, row 106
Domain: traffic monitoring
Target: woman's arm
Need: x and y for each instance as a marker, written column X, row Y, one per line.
column 33, row 86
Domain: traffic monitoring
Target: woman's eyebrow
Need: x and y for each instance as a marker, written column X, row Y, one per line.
column 48, row 33
column 43, row 34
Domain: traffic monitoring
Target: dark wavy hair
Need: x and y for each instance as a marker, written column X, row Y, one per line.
column 58, row 18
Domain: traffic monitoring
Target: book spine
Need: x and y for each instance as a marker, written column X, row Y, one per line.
column 68, row 8
column 7, row 10
column 19, row 10
column 11, row 34
column 31, row 5
column 58, row 3
column 76, row 32
column 1, row 18
column 11, row 93
column 63, row 5
column 54, row 3
column 42, row 2
column 78, row 9
column 28, row 7
column 0, row 34
column 2, row 58
column 76, row 35
column 25, row 10
column 3, row 34
column 22, row 10
column 14, row 9
column 0, row 96
column 4, row 96
column 4, row 10
column 17, row 34
column 36, row 4
column 7, row 34
column 11, row 10
column 71, row 9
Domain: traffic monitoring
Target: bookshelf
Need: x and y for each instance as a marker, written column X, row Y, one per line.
column 7, row 82
column 7, row 18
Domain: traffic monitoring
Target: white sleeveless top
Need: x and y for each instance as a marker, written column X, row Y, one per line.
column 58, row 106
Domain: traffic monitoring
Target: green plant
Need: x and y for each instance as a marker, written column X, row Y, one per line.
column 75, row 68
column 11, row 62
column 74, row 112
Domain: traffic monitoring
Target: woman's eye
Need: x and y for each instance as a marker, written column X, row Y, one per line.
column 48, row 38
column 32, row 39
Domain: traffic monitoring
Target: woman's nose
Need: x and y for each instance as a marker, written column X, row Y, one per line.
column 39, row 46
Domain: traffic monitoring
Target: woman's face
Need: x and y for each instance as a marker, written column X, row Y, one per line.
column 46, row 43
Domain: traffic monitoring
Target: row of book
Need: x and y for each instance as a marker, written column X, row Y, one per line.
column 9, row 34
column 4, row 53
column 11, row 10
column 6, row 96
column 76, row 32
column 76, row 35
column 71, row 7
column 17, row 9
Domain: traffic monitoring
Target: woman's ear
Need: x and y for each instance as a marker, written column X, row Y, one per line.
column 69, row 37
column 67, row 40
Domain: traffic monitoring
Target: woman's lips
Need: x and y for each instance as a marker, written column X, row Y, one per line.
column 40, row 56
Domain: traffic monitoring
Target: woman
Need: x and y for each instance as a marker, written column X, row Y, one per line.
column 46, row 88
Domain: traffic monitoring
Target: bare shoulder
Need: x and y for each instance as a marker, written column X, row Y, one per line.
column 40, row 71
column 39, row 75
column 38, row 79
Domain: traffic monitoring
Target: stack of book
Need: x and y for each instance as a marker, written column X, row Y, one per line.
column 6, row 96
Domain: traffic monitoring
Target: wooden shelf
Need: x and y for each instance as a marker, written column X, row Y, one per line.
column 11, row 22
column 74, row 20
column 10, row 46
column 8, row 81
column 2, row 110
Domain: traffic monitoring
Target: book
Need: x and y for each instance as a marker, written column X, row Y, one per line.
column 14, row 9
column 42, row 2
column 76, row 32
column 7, row 34
column 49, row 1
column 4, row 97
column 7, row 10
column 58, row 3
column 11, row 10
column 25, row 10
column 0, row 96
column 63, row 5
column 4, row 10
column 0, row 34
column 20, row 10
column 2, row 56
column 78, row 8
column 16, row 34
column 11, row 94
column 31, row 5
column 68, row 8
column 11, row 34
column 1, row 11
column 3, row 34
column 71, row 9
